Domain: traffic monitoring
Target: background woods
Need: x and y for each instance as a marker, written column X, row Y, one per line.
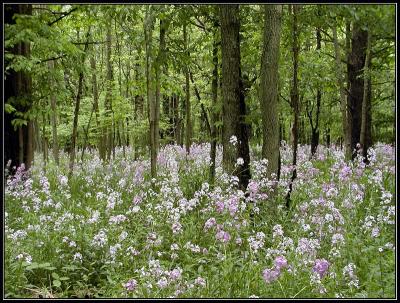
column 199, row 151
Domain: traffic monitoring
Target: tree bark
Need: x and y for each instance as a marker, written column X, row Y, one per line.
column 188, row 133
column 109, row 130
column 315, row 128
column 269, row 79
column 96, row 106
column 355, row 66
column 148, row 30
column 343, row 101
column 294, row 97
column 234, row 106
column 364, row 109
column 158, row 69
column 18, row 85
column 76, row 112
column 229, row 15
column 214, row 114
column 54, row 117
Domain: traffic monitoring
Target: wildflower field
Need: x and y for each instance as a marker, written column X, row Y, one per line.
column 111, row 231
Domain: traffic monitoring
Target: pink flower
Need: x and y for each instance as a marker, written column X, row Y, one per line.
column 220, row 206
column 210, row 223
column 270, row 275
column 321, row 266
column 280, row 262
column 130, row 285
column 223, row 236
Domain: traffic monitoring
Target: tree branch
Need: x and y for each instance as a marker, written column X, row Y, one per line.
column 63, row 16
column 49, row 59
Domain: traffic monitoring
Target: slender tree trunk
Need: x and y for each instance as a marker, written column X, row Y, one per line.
column 203, row 110
column 96, row 106
column 44, row 140
column 158, row 69
column 148, row 30
column 54, row 118
column 76, row 112
column 364, row 109
column 21, row 144
column 315, row 128
column 355, row 72
column 188, row 137
column 294, row 98
column 269, row 79
column 214, row 114
column 108, row 139
column 343, row 101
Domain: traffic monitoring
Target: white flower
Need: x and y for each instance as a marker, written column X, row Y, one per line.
column 239, row 161
column 78, row 256
column 233, row 140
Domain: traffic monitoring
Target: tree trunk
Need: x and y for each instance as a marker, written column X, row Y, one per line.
column 54, row 117
column 109, row 130
column 229, row 15
column 96, row 106
column 18, row 84
column 158, row 69
column 269, row 79
column 364, row 109
column 188, row 133
column 343, row 101
column 234, row 106
column 148, row 30
column 214, row 114
column 315, row 128
column 355, row 66
column 76, row 112
column 294, row 98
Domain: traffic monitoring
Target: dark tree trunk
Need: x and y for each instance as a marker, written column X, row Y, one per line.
column 76, row 112
column 294, row 98
column 315, row 128
column 214, row 114
column 234, row 107
column 19, row 143
column 269, row 88
column 188, row 133
column 355, row 67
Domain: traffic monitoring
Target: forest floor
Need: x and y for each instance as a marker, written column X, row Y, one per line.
column 112, row 231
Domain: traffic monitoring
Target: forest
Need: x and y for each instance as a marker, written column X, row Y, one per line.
column 199, row 151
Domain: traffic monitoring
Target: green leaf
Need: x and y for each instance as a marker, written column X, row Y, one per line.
column 55, row 276
column 9, row 108
column 57, row 283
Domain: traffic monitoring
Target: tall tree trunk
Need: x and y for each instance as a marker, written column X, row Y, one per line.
column 356, row 63
column 364, row 109
column 315, row 128
column 343, row 101
column 108, row 137
column 18, row 84
column 44, row 140
column 54, row 117
column 269, row 79
column 203, row 110
column 96, row 106
column 214, row 114
column 148, row 30
column 76, row 112
column 158, row 69
column 234, row 107
column 188, row 133
column 294, row 98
